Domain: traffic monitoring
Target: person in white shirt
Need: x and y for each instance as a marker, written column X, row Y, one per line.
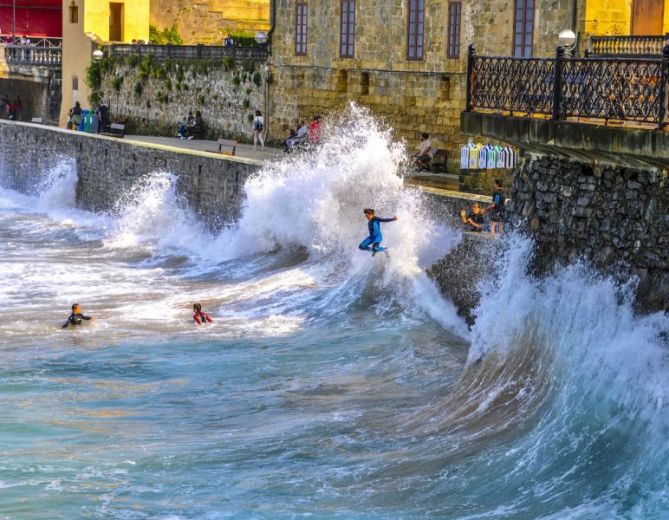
column 423, row 155
column 258, row 126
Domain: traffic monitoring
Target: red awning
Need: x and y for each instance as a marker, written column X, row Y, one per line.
column 42, row 18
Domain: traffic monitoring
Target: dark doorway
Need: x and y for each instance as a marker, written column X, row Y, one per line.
column 647, row 17
column 116, row 22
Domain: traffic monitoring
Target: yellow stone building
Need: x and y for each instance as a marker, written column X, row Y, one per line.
column 209, row 21
column 88, row 23
column 406, row 59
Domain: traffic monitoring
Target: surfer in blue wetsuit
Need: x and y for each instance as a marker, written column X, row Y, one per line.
column 373, row 241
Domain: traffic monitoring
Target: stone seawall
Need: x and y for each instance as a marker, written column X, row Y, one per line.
column 615, row 217
column 107, row 168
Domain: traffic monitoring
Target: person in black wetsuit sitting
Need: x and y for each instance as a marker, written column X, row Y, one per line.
column 474, row 220
column 76, row 317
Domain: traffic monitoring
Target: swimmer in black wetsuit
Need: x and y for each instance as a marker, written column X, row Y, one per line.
column 76, row 317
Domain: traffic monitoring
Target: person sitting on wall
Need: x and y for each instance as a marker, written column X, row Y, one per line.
column 315, row 129
column 228, row 42
column 497, row 209
column 300, row 136
column 474, row 220
column 423, row 154
column 197, row 130
column 288, row 143
column 182, row 132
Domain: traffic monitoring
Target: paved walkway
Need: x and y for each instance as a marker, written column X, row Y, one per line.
column 243, row 150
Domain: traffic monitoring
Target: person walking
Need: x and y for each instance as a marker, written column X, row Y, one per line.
column 258, row 126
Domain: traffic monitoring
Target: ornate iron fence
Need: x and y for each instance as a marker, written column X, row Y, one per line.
column 44, row 52
column 190, row 52
column 627, row 89
column 628, row 46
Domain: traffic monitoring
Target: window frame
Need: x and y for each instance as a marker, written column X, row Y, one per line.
column 414, row 7
column 74, row 13
column 526, row 50
column 301, row 44
column 347, row 37
column 454, row 27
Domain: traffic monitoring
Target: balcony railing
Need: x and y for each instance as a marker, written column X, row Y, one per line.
column 44, row 52
column 621, row 89
column 190, row 52
column 626, row 46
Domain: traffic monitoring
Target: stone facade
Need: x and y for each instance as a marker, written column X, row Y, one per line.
column 107, row 168
column 208, row 21
column 615, row 217
column 411, row 96
column 153, row 99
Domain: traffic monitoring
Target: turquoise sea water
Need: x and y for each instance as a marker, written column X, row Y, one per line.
column 331, row 385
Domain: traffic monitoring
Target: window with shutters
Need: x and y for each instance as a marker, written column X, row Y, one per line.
column 416, row 30
column 523, row 29
column 301, row 28
column 454, row 16
column 347, row 43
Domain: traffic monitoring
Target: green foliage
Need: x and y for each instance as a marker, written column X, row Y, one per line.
column 162, row 98
column 185, row 86
column 228, row 63
column 244, row 38
column 246, row 103
column 201, row 100
column 248, row 91
column 180, row 74
column 145, row 67
column 116, row 83
column 257, row 79
column 178, row 87
column 250, row 118
column 94, row 98
column 138, row 89
column 215, row 97
column 168, row 36
column 236, row 81
column 168, row 84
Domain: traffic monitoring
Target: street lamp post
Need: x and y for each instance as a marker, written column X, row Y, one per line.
column 567, row 39
column 13, row 21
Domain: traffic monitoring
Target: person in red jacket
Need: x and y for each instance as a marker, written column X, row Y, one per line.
column 199, row 315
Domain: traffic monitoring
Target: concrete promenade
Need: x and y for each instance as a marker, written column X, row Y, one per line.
column 244, row 151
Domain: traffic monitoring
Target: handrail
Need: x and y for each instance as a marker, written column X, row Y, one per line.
column 627, row 46
column 620, row 88
column 189, row 52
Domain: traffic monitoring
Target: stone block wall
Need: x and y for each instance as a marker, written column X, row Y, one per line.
column 615, row 217
column 154, row 97
column 107, row 168
column 413, row 96
column 208, row 21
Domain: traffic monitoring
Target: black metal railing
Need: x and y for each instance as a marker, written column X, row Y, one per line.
column 45, row 52
column 190, row 52
column 626, row 89
column 629, row 46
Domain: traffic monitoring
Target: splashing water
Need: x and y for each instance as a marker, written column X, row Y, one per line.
column 332, row 384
